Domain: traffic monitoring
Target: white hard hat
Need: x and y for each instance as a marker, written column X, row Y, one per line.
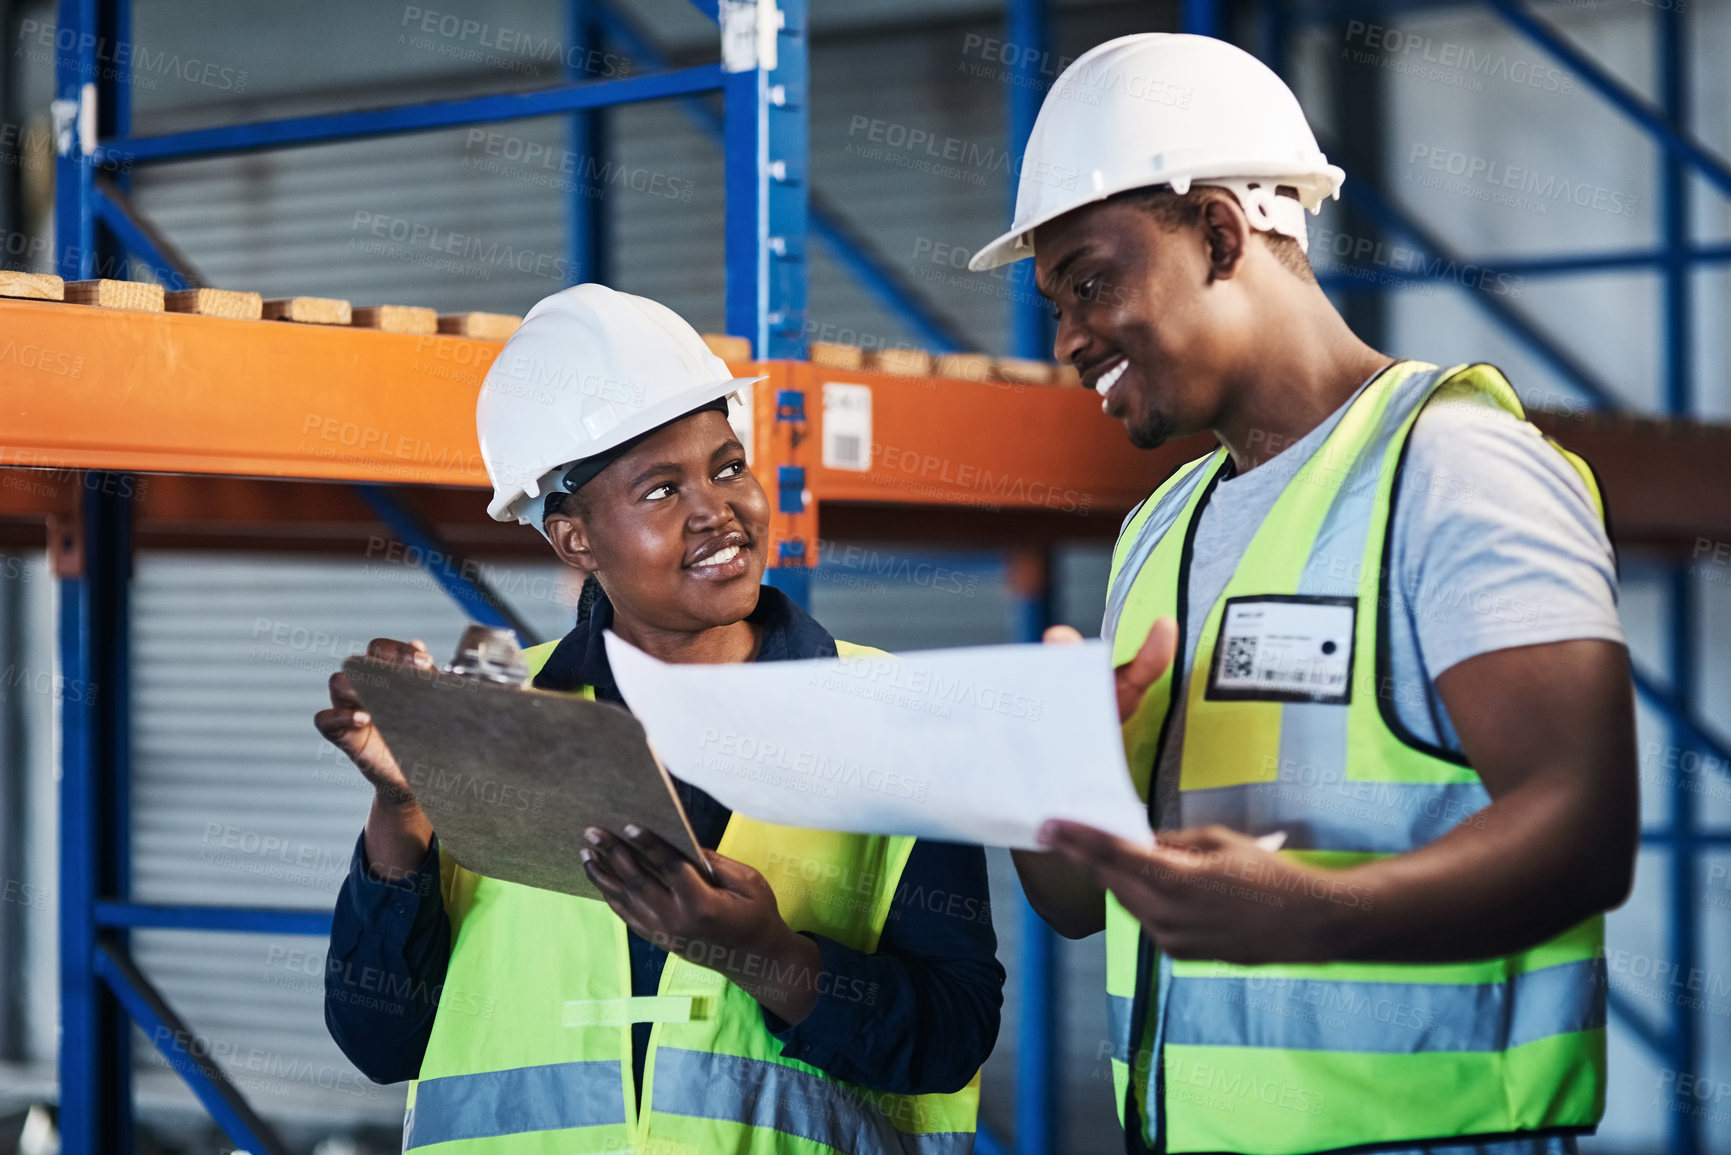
column 588, row 370
column 1161, row 108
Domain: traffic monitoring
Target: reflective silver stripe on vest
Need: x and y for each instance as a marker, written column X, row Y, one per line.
column 1371, row 817
column 758, row 1093
column 1386, row 1017
column 1118, row 1009
column 1313, row 736
column 510, row 1102
column 1159, row 521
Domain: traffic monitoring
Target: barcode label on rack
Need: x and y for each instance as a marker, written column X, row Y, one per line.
column 847, row 452
column 847, row 426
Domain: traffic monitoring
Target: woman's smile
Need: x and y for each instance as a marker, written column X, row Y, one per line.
column 722, row 558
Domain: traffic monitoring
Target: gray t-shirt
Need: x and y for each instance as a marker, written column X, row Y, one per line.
column 1496, row 545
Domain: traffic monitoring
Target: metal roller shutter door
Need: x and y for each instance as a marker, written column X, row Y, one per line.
column 237, row 800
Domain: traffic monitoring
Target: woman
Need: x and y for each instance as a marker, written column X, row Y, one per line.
column 817, row 998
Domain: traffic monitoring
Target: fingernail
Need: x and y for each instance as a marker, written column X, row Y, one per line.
column 362, row 718
column 1048, row 830
column 593, row 835
column 586, row 855
column 632, row 830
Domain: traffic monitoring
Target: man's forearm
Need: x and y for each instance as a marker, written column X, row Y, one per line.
column 1551, row 731
column 1515, row 874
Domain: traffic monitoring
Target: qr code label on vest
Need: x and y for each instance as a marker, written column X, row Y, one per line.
column 1284, row 648
column 1240, row 657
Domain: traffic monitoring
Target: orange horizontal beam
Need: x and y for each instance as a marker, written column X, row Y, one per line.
column 1666, row 483
column 992, row 447
column 179, row 393
column 84, row 388
column 172, row 392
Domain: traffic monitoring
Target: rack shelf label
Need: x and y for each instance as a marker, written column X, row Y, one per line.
column 847, row 426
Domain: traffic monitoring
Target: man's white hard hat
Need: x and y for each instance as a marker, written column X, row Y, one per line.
column 1162, row 108
column 589, row 369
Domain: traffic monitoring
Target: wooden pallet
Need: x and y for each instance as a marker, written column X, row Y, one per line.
column 1021, row 371
column 963, row 366
column 901, row 362
column 235, row 306
column 835, row 356
column 32, row 286
column 397, row 319
column 246, row 306
column 104, row 294
column 309, row 310
column 480, row 326
column 728, row 348
column 956, row 366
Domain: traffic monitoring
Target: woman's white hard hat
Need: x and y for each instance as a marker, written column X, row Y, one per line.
column 589, row 369
column 1160, row 108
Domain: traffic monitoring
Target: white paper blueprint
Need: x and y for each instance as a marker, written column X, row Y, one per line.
column 974, row 745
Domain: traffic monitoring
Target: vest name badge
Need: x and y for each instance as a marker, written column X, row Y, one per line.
column 1284, row 648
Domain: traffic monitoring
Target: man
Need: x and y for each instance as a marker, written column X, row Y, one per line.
column 1377, row 624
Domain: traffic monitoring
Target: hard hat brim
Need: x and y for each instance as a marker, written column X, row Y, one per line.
column 1018, row 243
column 1010, row 247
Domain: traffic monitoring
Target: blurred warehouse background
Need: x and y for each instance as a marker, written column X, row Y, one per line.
column 237, row 801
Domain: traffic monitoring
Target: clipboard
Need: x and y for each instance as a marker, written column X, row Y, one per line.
column 509, row 776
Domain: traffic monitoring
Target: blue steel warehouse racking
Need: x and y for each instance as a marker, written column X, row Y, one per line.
column 763, row 131
column 762, row 79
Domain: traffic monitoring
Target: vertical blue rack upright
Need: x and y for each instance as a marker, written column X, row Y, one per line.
column 762, row 79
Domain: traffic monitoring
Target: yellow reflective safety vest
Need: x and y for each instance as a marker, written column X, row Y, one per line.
column 530, row 1052
column 1279, row 1060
